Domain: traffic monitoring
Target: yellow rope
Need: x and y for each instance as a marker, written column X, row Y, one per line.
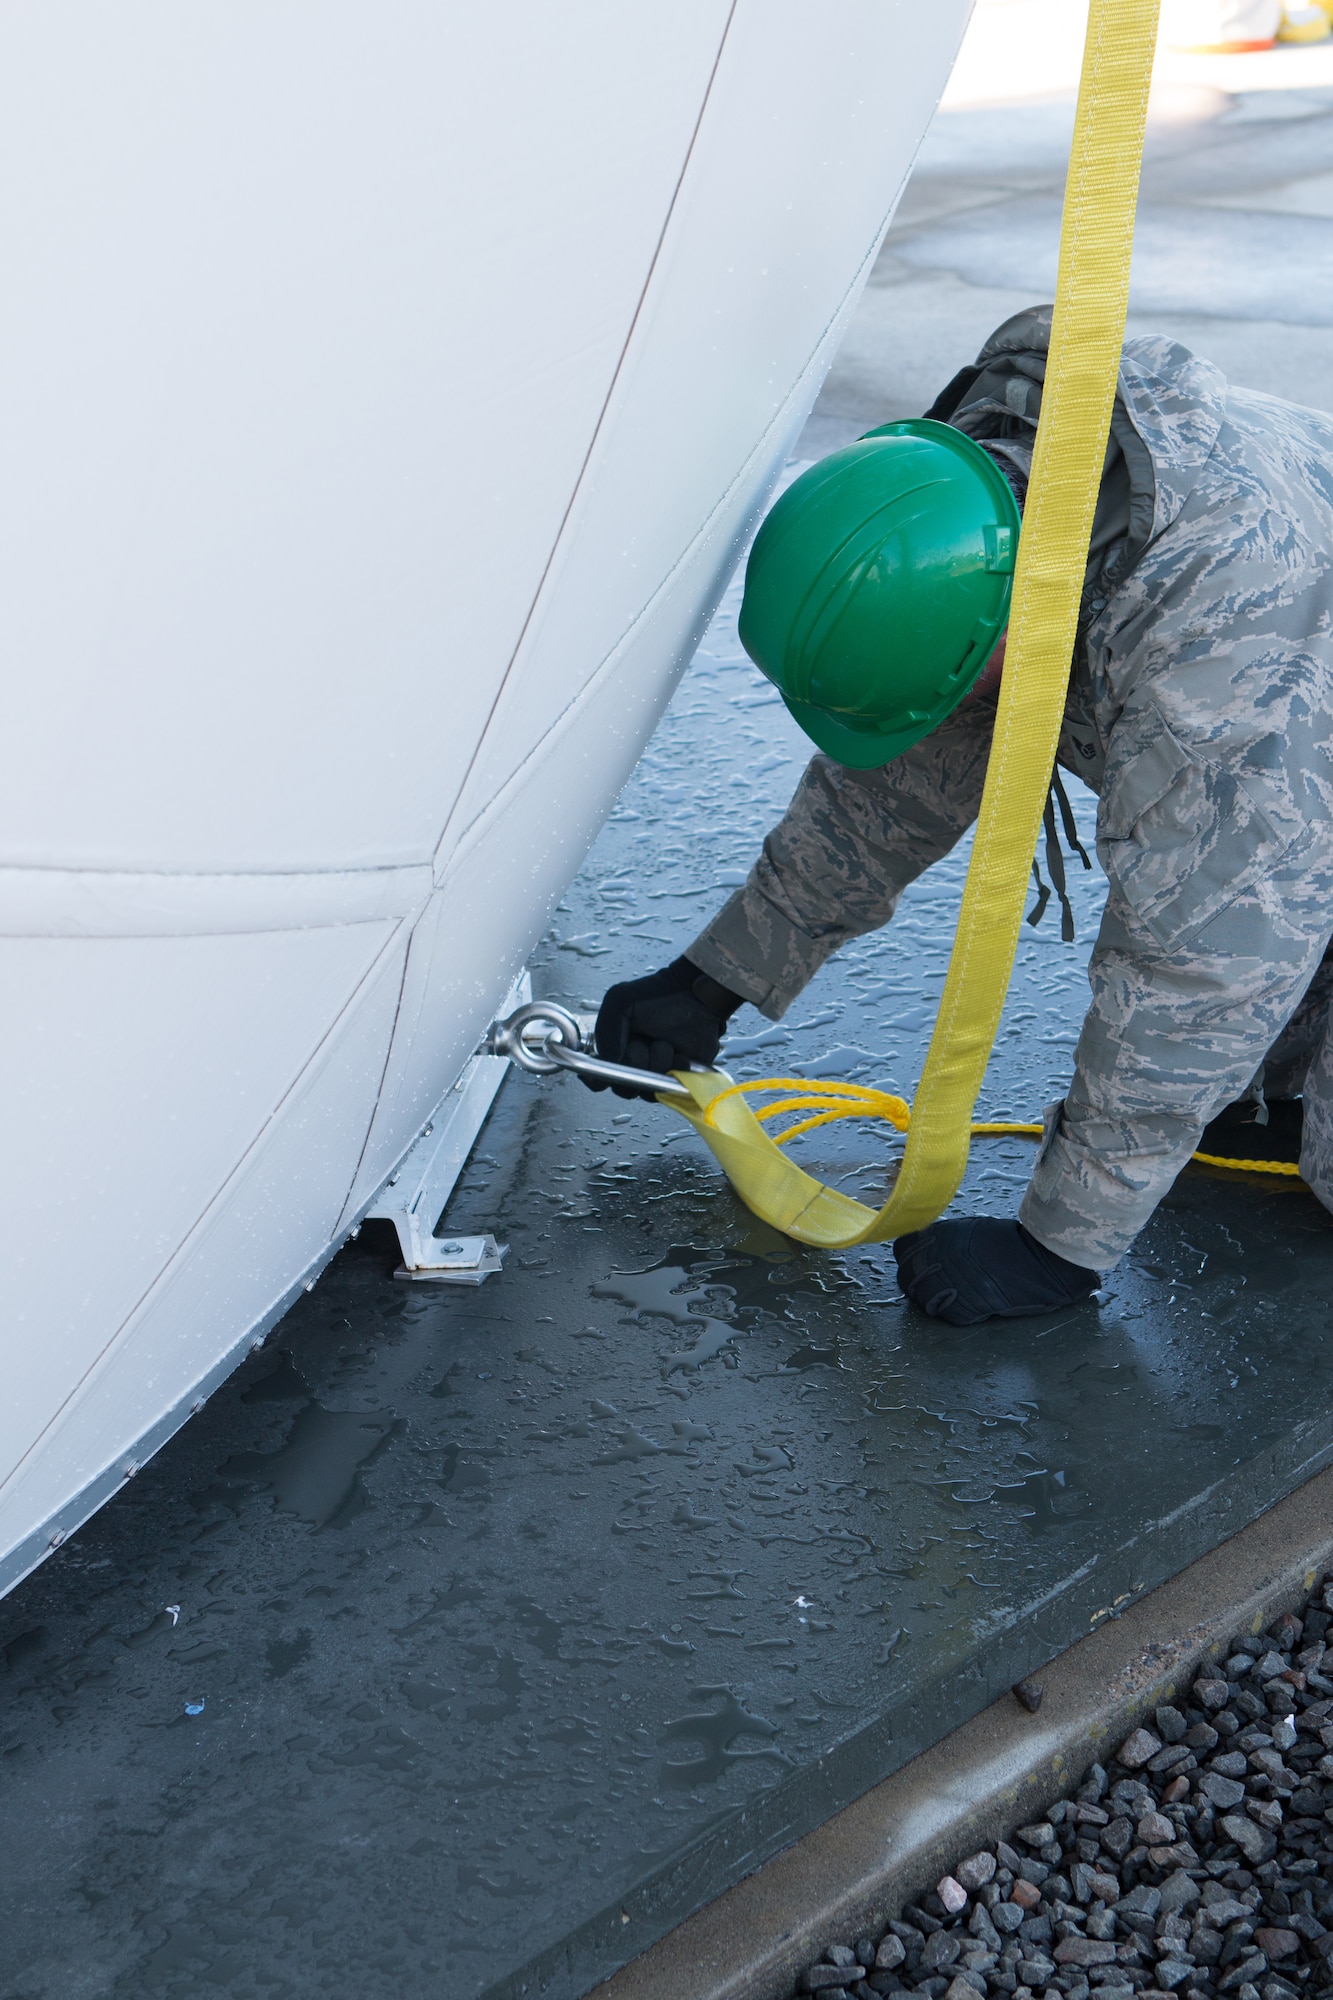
column 1091, row 294
column 1248, row 1166
column 859, row 1100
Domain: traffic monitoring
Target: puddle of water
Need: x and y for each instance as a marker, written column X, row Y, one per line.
column 315, row 1472
column 715, row 1337
column 459, row 1473
column 283, row 1655
column 285, row 1383
column 539, row 1626
column 630, row 1444
column 666, row 1290
column 715, row 1732
column 509, row 1685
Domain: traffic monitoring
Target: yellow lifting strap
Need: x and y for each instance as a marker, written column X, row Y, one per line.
column 1092, row 289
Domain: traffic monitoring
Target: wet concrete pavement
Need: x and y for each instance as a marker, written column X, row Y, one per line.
column 467, row 1639
column 1232, row 243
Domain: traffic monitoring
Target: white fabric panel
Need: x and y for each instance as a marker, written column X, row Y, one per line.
column 812, row 123
column 311, row 309
column 268, row 1221
column 102, row 902
column 137, row 1074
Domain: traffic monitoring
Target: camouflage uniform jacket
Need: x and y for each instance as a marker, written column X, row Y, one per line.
column 1201, row 711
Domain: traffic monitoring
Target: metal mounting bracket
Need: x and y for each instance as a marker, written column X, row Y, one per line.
column 414, row 1196
column 455, row 1260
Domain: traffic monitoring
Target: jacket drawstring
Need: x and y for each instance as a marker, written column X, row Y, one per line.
column 1055, row 861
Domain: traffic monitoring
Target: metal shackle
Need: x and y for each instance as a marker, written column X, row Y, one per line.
column 543, row 1037
column 515, row 1036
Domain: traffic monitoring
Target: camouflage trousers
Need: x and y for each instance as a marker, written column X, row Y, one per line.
column 1169, row 1040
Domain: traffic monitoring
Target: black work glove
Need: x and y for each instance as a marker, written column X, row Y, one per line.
column 981, row 1268
column 666, row 1020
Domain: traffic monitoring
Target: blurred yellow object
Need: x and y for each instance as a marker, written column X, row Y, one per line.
column 1303, row 24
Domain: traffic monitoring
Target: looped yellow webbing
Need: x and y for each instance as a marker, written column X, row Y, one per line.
column 830, row 1101
column 1092, row 290
column 811, row 1211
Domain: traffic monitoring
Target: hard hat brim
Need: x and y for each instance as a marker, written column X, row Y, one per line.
column 860, row 749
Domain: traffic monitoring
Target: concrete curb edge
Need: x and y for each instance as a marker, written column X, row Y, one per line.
column 851, row 1874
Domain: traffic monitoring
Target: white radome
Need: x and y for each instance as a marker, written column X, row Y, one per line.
column 387, row 391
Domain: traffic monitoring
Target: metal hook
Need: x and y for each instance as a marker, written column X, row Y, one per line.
column 543, row 1037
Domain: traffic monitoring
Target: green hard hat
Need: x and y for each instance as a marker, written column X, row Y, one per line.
column 878, row 586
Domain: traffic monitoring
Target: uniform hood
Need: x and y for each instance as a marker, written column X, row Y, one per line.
column 1168, row 409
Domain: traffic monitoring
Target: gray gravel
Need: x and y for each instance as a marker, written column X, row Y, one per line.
column 1197, row 1861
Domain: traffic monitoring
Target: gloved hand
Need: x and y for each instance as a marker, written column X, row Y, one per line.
column 981, row 1268
column 666, row 1020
